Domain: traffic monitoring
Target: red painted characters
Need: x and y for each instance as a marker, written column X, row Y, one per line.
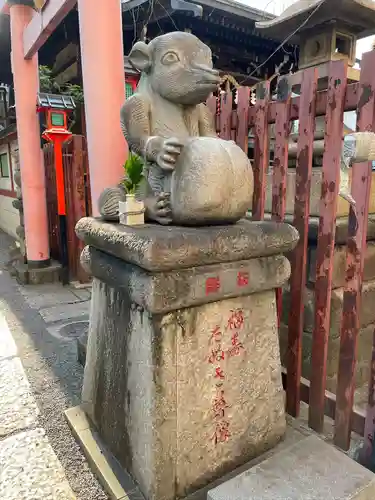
column 216, row 357
column 212, row 285
column 236, row 319
column 242, row 278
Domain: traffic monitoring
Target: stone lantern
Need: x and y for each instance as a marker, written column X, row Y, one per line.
column 325, row 30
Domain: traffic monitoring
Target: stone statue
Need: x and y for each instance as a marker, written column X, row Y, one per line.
column 193, row 177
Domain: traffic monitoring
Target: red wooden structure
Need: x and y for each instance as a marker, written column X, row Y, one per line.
column 236, row 121
column 78, row 200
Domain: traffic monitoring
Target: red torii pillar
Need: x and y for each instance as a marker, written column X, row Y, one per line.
column 102, row 56
column 26, row 87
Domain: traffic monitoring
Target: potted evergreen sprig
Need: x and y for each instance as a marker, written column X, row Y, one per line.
column 132, row 210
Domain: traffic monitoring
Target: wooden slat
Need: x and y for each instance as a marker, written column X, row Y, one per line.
column 78, row 205
column 301, row 221
column 80, row 202
column 261, row 148
column 69, row 200
column 326, row 239
column 87, row 178
column 280, row 164
column 51, row 196
column 351, row 100
column 369, row 431
column 75, row 168
column 243, row 105
column 225, row 118
column 358, row 415
column 356, row 246
column 212, row 106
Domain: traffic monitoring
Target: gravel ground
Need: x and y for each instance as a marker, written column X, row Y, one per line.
column 54, row 375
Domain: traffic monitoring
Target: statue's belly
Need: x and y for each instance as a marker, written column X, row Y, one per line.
column 212, row 182
column 173, row 128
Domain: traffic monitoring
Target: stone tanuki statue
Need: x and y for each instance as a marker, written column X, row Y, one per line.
column 182, row 378
column 193, row 177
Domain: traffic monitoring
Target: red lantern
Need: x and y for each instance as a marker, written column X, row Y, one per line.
column 56, row 109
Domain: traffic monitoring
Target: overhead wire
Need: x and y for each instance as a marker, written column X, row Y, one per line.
column 168, row 14
column 284, row 41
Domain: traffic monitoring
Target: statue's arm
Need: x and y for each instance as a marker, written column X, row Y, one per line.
column 206, row 122
column 135, row 125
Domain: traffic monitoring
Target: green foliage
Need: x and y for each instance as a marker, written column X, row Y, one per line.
column 47, row 83
column 133, row 173
column 75, row 91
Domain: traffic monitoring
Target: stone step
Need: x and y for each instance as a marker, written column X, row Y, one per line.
column 309, row 469
column 315, row 194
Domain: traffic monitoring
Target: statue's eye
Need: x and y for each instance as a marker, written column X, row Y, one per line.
column 170, row 58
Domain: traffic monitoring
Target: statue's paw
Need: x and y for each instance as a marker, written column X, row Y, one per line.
column 158, row 209
column 163, row 212
column 169, row 153
column 108, row 203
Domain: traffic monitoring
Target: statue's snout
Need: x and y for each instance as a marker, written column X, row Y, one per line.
column 208, row 75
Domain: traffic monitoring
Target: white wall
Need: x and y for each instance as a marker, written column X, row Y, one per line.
column 9, row 216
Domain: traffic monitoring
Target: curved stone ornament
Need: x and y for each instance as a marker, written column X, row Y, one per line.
column 212, row 183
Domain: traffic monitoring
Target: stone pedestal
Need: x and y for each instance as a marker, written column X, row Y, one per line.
column 182, row 378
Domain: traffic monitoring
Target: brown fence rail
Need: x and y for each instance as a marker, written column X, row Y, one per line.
column 78, row 200
column 237, row 119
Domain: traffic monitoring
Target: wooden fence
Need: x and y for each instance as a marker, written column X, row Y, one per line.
column 78, row 200
column 235, row 119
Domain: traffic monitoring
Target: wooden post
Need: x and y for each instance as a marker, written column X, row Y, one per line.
column 301, row 223
column 326, row 239
column 356, row 247
column 280, row 164
column 261, row 149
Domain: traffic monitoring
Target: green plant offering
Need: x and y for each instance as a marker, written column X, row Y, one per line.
column 134, row 177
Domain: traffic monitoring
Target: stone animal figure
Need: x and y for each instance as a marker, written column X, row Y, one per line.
column 357, row 147
column 193, row 177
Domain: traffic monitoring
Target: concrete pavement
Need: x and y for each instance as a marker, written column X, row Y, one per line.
column 39, row 379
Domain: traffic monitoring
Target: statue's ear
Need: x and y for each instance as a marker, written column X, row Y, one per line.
column 140, row 57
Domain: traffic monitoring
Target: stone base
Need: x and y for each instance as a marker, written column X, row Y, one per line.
column 315, row 193
column 339, row 265
column 116, row 482
column 366, row 313
column 119, row 485
column 182, row 377
column 154, row 400
column 341, row 234
column 362, row 372
column 325, row 470
column 365, row 339
column 309, row 469
column 32, row 276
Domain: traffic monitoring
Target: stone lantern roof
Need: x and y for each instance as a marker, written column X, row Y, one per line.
column 358, row 16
